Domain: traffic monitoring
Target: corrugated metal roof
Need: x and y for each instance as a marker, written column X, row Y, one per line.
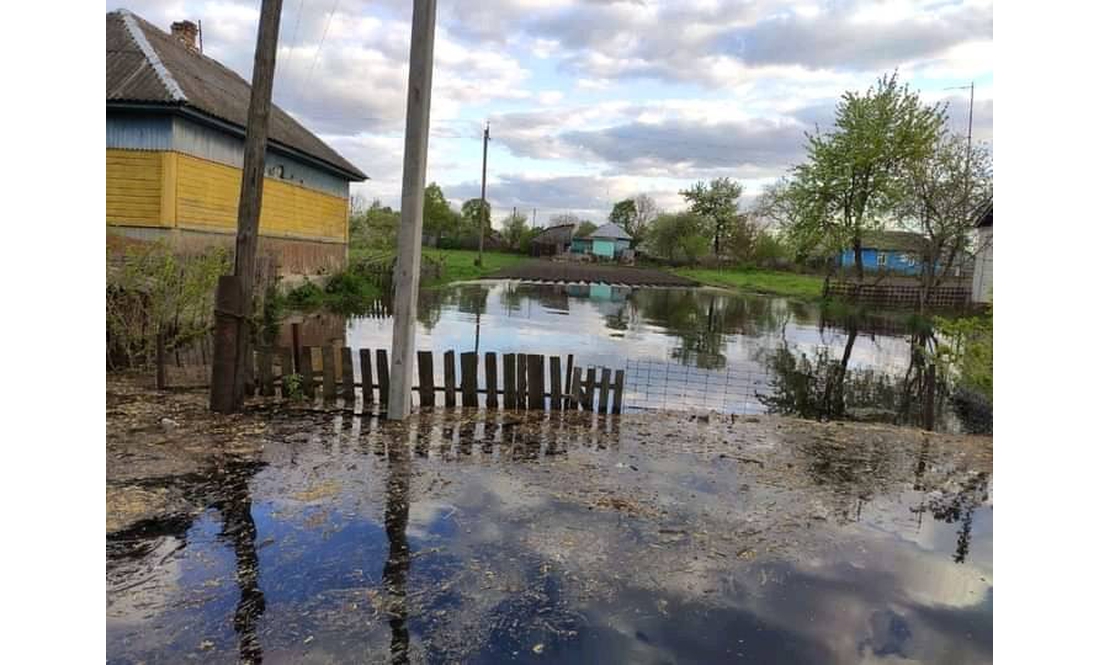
column 554, row 234
column 894, row 241
column 200, row 83
column 610, row 230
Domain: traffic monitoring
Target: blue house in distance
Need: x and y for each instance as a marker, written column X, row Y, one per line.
column 897, row 252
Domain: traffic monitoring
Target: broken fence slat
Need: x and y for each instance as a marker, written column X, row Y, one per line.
column 426, row 374
column 469, row 378
column 383, row 377
column 509, row 380
column 490, row 380
column 449, row 378
column 367, row 377
column 521, row 381
column 620, row 379
column 605, row 385
column 555, row 383
column 328, row 372
column 347, row 374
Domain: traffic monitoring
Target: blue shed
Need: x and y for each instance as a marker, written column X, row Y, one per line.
column 897, row 252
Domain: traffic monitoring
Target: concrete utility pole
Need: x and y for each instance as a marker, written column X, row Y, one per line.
column 481, row 212
column 233, row 301
column 407, row 270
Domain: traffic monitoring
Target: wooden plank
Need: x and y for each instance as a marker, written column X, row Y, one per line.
column 575, row 393
column 367, row 377
column 535, row 399
column 328, row 372
column 589, row 388
column 509, row 380
column 521, row 380
column 383, row 377
column 491, row 380
column 555, row 383
column 267, row 379
column 449, row 378
column 605, row 385
column 347, row 375
column 468, row 362
column 305, row 368
column 426, row 378
column 569, row 374
column 296, row 345
column 286, row 368
column 620, row 379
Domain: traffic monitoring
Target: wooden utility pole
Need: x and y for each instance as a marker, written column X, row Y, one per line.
column 481, row 212
column 233, row 301
column 409, row 236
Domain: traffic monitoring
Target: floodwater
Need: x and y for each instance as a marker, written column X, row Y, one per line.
column 312, row 537
column 692, row 348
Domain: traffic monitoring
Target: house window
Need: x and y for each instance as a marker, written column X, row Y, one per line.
column 882, row 259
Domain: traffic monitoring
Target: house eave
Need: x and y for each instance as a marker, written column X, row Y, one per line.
column 199, row 117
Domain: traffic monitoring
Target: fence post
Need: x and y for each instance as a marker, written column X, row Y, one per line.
column 555, row 383
column 521, row 380
column 469, row 378
column 605, row 384
column 286, row 368
column 328, row 372
column 367, row 377
column 296, row 346
column 589, row 388
column 509, row 380
column 305, row 368
column 490, row 380
column 535, row 394
column 347, row 374
column 575, row 395
column 449, row 378
column 620, row 379
column 569, row 374
column 426, row 378
column 383, row 377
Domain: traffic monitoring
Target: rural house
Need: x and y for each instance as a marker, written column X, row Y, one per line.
column 609, row 241
column 897, row 252
column 175, row 148
column 982, row 286
column 553, row 240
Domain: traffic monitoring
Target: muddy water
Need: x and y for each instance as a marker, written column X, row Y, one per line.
column 652, row 538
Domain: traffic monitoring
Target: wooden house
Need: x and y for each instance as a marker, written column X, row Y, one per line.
column 553, row 240
column 175, row 148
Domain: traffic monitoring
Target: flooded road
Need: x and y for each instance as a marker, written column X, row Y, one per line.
column 314, row 537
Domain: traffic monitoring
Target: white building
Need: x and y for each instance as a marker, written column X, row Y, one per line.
column 981, row 290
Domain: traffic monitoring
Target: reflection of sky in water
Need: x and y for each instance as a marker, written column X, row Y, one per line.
column 606, row 325
column 787, row 563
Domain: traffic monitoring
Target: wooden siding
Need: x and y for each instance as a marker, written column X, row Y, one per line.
column 207, row 196
column 134, row 188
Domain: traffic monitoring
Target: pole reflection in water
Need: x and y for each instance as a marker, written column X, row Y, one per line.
column 395, row 574
column 239, row 528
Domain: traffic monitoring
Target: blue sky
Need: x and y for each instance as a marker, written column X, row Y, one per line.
column 591, row 101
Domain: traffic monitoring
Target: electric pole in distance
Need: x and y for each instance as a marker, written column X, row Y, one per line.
column 410, row 234
column 481, row 212
column 233, row 300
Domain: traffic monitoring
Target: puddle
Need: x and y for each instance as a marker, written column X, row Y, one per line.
column 648, row 538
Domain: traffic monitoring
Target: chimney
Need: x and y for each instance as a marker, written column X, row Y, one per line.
column 187, row 32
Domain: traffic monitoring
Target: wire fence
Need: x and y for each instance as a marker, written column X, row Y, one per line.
column 653, row 384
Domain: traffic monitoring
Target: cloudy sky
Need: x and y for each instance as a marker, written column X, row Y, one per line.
column 591, row 101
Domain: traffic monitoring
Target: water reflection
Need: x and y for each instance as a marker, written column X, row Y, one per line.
column 593, row 538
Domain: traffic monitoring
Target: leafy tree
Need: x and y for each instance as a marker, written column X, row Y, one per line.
column 677, row 237
column 716, row 204
column 374, row 227
column 852, row 178
column 624, row 213
column 585, row 229
column 439, row 218
column 941, row 197
column 515, row 230
column 471, row 209
column 646, row 211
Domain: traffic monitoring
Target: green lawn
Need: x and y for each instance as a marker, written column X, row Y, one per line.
column 806, row 287
column 458, row 264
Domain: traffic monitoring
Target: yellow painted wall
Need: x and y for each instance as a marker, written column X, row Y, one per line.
column 208, row 193
column 134, row 183
column 168, row 189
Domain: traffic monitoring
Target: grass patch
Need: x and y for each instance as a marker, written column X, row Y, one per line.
column 792, row 285
column 458, row 264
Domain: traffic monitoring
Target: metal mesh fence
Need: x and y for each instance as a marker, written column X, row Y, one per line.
column 652, row 384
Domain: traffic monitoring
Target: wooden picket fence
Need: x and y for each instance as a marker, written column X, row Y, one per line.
column 521, row 385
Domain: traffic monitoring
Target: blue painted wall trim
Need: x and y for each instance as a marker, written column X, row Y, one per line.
column 895, row 261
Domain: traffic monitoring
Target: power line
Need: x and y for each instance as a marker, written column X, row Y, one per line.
column 321, row 45
column 293, row 40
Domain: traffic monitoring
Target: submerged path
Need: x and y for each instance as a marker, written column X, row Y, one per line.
column 461, row 536
column 542, row 270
